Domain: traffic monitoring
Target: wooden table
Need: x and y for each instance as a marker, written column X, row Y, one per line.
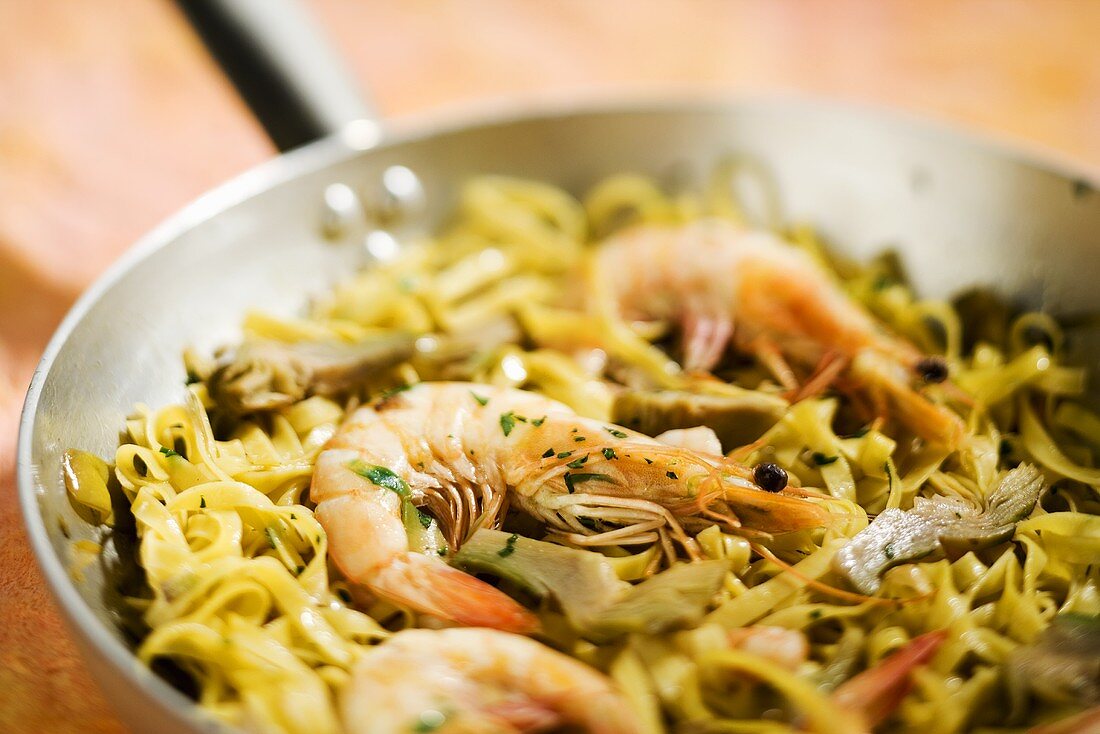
column 112, row 116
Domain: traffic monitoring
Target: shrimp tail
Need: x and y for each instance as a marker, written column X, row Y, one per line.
column 876, row 693
column 413, row 580
column 430, row 586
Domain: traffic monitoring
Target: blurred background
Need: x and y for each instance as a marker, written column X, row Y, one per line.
column 112, row 116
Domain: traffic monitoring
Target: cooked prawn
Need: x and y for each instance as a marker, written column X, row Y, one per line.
column 465, row 453
column 476, row 680
column 711, row 276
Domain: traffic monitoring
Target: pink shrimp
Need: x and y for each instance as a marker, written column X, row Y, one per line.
column 455, row 681
column 711, row 276
column 465, row 452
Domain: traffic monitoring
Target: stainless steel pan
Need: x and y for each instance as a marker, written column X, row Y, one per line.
column 959, row 210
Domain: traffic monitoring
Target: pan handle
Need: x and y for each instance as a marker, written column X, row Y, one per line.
column 278, row 58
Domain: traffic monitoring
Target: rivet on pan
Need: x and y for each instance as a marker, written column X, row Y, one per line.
column 402, row 196
column 342, row 210
column 381, row 245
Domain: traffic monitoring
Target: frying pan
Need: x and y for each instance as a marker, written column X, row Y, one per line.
column 958, row 210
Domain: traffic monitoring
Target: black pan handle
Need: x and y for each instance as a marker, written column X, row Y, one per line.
column 277, row 56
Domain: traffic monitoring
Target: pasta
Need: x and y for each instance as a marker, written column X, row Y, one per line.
column 241, row 594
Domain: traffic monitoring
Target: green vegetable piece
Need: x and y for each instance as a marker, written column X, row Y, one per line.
column 479, row 399
column 1060, row 666
column 536, row 422
column 615, row 432
column 822, row 460
column 594, row 600
column 548, row 453
column 507, row 422
column 609, row 453
column 578, row 463
column 169, row 452
column 938, row 525
column 86, row 477
column 737, row 419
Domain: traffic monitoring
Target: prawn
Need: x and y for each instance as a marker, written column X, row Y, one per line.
column 722, row 283
column 476, row 680
column 465, row 453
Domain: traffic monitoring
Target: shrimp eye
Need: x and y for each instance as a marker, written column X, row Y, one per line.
column 932, row 369
column 769, row 477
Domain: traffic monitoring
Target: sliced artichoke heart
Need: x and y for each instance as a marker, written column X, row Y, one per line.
column 938, row 524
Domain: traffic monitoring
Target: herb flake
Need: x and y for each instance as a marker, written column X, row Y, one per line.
column 380, row 476
column 822, row 459
column 509, row 546
column 574, row 478
column 507, row 422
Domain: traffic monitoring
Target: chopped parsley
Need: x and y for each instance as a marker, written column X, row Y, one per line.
column 815, row 614
column 509, row 546
column 565, row 454
column 861, row 432
column 648, row 460
column 671, row 475
column 202, row 503
column 480, row 400
column 575, row 478
column 424, row 518
column 615, row 432
column 536, row 422
column 579, row 438
column 587, row 522
column 577, row 463
column 822, row 460
column 548, row 453
column 169, row 452
column 507, row 422
column 380, row 476
column 609, row 453
column 888, row 551
column 298, row 570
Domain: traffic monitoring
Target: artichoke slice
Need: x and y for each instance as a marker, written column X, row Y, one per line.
column 938, row 524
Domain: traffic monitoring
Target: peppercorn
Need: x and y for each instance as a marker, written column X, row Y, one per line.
column 769, row 477
column 932, row 369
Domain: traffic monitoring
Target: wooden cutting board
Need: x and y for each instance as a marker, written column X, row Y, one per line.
column 111, row 117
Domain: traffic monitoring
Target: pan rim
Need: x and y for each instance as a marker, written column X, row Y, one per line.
column 93, row 635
